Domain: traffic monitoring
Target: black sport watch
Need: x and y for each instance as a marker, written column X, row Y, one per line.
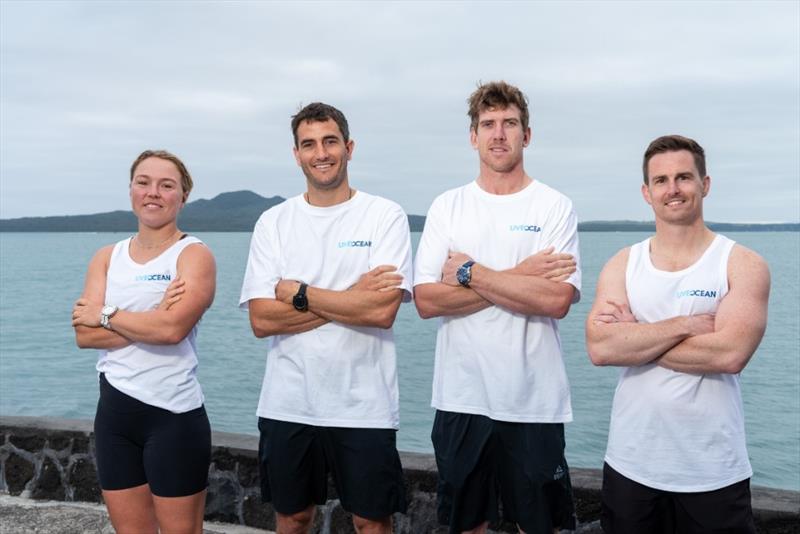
column 300, row 301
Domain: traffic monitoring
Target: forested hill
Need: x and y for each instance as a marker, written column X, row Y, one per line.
column 238, row 211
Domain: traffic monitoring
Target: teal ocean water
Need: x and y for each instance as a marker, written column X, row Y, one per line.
column 43, row 373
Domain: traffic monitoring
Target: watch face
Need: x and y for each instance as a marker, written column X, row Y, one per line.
column 300, row 302
column 108, row 310
column 464, row 274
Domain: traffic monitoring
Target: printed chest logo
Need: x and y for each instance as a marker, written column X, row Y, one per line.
column 355, row 244
column 157, row 277
column 524, row 228
column 707, row 293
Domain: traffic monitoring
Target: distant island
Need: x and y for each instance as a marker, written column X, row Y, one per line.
column 238, row 211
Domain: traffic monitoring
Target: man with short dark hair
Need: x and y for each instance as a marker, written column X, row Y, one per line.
column 325, row 277
column 682, row 312
column 498, row 262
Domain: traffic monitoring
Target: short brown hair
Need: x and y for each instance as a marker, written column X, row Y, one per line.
column 674, row 143
column 319, row 112
column 496, row 95
column 186, row 178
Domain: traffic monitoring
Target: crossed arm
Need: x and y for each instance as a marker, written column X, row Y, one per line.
column 721, row 343
column 184, row 303
column 536, row 286
column 372, row 301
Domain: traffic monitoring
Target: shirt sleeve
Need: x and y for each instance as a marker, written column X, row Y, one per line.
column 263, row 264
column 393, row 247
column 433, row 246
column 564, row 238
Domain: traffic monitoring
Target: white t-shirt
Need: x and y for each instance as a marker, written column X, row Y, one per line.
column 669, row 430
column 336, row 374
column 159, row 375
column 495, row 362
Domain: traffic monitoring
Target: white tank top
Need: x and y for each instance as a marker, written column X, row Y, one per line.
column 159, row 375
column 676, row 431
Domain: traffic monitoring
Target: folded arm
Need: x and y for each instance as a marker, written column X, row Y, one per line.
column 269, row 317
column 533, row 287
column 741, row 321
column 165, row 325
column 613, row 337
column 372, row 301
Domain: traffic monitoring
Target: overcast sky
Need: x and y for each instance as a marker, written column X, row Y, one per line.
column 86, row 86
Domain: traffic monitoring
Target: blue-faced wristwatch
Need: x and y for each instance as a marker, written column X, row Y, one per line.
column 464, row 273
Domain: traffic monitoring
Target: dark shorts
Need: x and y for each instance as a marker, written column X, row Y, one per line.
column 295, row 460
column 632, row 508
column 140, row 444
column 482, row 461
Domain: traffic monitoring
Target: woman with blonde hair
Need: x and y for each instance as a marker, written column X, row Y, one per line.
column 140, row 306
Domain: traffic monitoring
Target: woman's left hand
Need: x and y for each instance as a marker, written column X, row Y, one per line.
column 86, row 313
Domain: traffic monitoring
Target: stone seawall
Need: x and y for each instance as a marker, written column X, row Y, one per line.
column 44, row 458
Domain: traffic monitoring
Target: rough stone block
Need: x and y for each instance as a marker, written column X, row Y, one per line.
column 421, row 481
column 19, row 472
column 80, row 445
column 82, row 476
column 59, row 443
column 48, row 485
column 341, row 521
column 27, row 443
column 258, row 514
column 587, row 504
column 221, row 502
column 247, row 472
column 223, row 460
column 420, row 516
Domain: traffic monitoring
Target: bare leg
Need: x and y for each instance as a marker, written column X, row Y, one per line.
column 370, row 526
column 299, row 523
column 181, row 515
column 131, row 510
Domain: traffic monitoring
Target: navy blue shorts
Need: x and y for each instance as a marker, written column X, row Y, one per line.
column 295, row 460
column 631, row 508
column 140, row 444
column 483, row 462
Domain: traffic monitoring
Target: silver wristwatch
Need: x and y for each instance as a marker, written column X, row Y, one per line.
column 106, row 314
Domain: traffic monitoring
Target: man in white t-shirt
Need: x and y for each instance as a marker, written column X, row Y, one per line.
column 497, row 262
column 326, row 274
column 681, row 312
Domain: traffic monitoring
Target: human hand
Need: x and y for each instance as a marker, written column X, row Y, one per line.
column 285, row 290
column 454, row 262
column 173, row 294
column 381, row 278
column 700, row 324
column 557, row 267
column 85, row 313
column 614, row 312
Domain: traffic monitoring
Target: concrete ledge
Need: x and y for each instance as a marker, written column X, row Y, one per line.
column 50, row 459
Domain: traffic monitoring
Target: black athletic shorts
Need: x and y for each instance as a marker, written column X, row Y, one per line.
column 632, row 508
column 295, row 460
column 482, row 461
column 137, row 443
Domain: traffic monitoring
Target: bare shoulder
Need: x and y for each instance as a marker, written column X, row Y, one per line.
column 618, row 261
column 196, row 252
column 745, row 262
column 746, row 267
column 102, row 257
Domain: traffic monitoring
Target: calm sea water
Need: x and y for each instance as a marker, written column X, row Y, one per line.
column 43, row 373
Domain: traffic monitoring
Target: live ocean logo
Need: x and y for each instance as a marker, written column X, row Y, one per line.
column 156, row 277
column 355, row 244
